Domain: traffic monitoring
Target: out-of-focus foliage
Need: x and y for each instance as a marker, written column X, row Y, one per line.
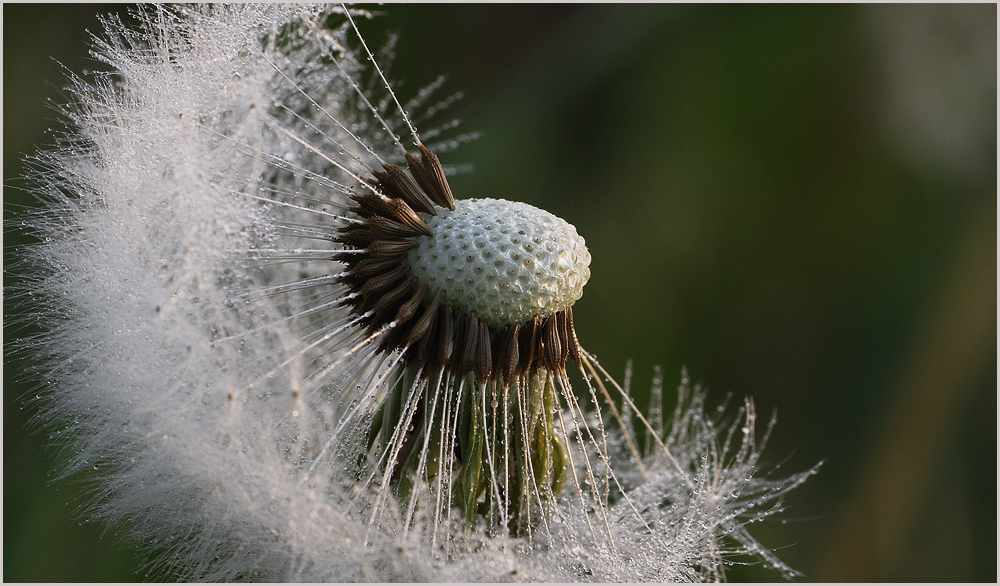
column 797, row 203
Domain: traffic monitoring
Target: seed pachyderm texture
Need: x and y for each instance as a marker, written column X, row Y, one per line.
column 507, row 261
column 284, row 350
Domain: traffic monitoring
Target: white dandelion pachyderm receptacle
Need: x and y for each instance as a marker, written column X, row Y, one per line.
column 287, row 351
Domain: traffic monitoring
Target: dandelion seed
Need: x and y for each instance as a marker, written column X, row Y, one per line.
column 290, row 343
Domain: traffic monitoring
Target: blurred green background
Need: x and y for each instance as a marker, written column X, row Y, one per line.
column 798, row 203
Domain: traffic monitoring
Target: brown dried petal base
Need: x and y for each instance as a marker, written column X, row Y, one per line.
column 434, row 336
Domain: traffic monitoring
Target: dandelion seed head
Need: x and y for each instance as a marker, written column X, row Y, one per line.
column 507, row 261
column 253, row 348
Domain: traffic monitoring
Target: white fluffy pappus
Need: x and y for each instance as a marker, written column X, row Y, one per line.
column 202, row 365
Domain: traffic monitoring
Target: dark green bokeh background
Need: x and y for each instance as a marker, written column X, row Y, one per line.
column 798, row 203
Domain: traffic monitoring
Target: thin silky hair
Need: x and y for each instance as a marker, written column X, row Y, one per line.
column 240, row 356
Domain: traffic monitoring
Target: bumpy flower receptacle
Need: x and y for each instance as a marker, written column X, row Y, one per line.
column 507, row 261
column 501, row 308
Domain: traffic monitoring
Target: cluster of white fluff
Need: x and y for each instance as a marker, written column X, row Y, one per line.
column 195, row 357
